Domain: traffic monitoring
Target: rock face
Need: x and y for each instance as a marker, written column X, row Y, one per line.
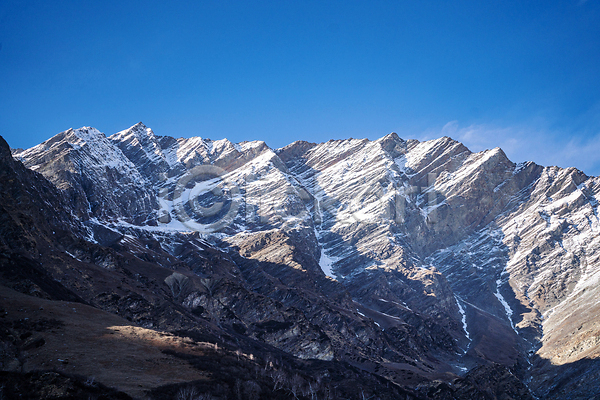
column 450, row 273
column 96, row 177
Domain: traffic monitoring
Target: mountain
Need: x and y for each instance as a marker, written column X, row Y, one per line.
column 390, row 268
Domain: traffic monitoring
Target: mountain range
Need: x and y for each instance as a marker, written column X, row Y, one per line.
column 145, row 266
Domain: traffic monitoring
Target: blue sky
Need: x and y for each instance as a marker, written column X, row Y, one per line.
column 522, row 75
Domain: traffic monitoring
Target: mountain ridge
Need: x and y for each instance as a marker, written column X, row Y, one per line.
column 466, row 258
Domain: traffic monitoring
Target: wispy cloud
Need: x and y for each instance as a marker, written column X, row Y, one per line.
column 530, row 142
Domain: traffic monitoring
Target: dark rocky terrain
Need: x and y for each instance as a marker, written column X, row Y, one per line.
column 191, row 268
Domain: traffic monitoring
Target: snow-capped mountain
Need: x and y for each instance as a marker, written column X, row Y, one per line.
column 99, row 180
column 414, row 261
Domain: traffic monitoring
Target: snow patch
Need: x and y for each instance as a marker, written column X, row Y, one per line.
column 464, row 317
column 326, row 262
column 502, row 300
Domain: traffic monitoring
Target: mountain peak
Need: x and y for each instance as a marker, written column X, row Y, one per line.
column 393, row 144
column 80, row 136
column 139, row 131
column 142, row 129
column 391, row 135
column 294, row 150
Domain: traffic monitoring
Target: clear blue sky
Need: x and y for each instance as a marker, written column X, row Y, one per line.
column 522, row 75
